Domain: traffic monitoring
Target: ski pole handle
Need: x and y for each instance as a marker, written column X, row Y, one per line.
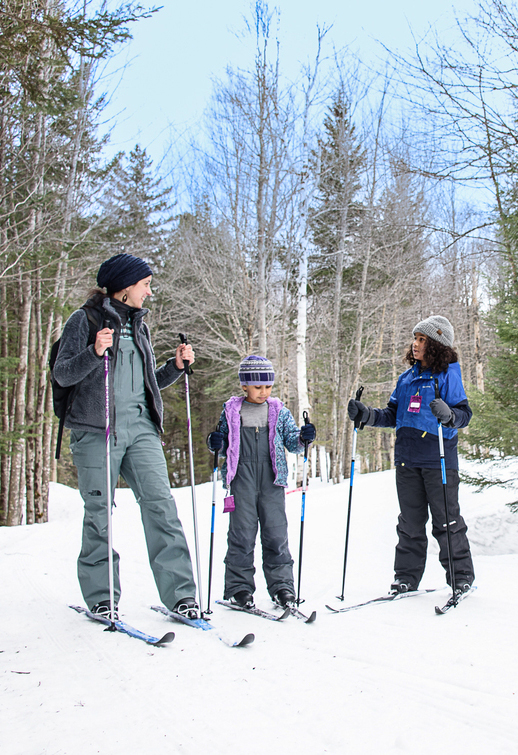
column 358, row 397
column 183, row 339
column 440, row 435
column 218, row 427
column 106, row 324
column 305, row 417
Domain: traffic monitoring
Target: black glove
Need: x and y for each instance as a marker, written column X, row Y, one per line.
column 441, row 410
column 308, row 433
column 215, row 441
column 358, row 412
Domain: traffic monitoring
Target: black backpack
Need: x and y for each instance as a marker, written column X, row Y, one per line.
column 62, row 397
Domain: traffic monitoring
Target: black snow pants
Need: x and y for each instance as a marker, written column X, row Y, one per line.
column 419, row 489
column 257, row 501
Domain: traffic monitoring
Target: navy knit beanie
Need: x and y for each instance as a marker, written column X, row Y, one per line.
column 122, row 271
column 256, row 371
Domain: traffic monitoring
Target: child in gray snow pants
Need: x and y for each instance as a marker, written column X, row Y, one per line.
column 254, row 432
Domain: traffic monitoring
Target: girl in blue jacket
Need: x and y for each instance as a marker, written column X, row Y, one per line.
column 414, row 411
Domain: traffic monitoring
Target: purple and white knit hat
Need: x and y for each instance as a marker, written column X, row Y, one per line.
column 255, row 370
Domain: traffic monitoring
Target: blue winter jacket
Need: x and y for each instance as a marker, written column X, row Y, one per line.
column 417, row 443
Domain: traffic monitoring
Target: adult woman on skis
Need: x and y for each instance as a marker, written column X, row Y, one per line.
column 414, row 411
column 136, row 413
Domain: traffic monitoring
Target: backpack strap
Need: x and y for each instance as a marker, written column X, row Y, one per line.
column 60, row 437
column 94, row 322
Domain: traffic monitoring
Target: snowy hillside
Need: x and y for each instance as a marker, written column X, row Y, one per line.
column 392, row 678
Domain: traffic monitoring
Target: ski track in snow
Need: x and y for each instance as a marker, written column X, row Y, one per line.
column 391, row 679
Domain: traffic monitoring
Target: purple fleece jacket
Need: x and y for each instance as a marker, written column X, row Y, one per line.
column 283, row 432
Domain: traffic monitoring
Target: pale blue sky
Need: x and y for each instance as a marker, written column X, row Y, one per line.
column 174, row 55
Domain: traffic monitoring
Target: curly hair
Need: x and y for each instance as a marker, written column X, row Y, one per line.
column 437, row 356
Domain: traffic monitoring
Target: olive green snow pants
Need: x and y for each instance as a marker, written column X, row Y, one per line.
column 138, row 457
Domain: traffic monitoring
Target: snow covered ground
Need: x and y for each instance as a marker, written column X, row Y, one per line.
column 392, row 678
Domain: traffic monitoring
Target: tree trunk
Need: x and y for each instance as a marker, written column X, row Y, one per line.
column 477, row 348
column 30, row 403
column 16, row 487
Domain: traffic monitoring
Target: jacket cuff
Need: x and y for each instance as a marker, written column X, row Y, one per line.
column 452, row 421
column 371, row 419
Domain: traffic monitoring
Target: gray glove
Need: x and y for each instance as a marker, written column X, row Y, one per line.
column 442, row 411
column 359, row 413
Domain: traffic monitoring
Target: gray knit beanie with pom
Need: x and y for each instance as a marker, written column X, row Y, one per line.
column 438, row 328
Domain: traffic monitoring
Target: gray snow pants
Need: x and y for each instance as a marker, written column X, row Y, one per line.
column 138, row 457
column 257, row 501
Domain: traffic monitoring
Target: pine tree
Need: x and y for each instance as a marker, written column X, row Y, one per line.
column 137, row 208
column 494, row 427
column 335, row 218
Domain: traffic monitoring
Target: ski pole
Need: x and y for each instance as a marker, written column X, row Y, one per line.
column 186, row 369
column 303, row 508
column 353, row 456
column 444, row 483
column 111, row 628
column 213, row 515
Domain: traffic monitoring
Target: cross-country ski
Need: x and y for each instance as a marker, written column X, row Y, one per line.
column 297, row 613
column 206, row 627
column 454, row 601
column 391, row 596
column 255, row 611
column 121, row 626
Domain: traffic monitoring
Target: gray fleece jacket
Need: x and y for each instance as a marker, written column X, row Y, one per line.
column 77, row 364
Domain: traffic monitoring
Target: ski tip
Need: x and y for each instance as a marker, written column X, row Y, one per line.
column 247, row 640
column 334, row 610
column 454, row 601
column 311, row 617
column 284, row 614
column 166, row 639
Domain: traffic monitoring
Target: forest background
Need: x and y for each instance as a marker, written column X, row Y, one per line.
column 311, row 218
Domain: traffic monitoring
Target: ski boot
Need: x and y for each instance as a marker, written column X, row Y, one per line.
column 243, row 599
column 401, row 585
column 187, row 607
column 285, row 598
column 103, row 609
